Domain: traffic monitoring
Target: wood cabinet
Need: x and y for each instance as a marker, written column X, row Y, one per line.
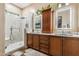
column 70, row 46
column 46, row 21
column 29, row 40
column 44, row 43
column 36, row 42
column 51, row 45
column 55, row 45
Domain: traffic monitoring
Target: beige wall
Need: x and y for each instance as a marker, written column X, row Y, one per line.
column 12, row 8
column 2, row 23
column 33, row 7
column 78, row 17
column 75, row 18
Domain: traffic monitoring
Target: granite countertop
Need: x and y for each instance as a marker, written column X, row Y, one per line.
column 53, row 34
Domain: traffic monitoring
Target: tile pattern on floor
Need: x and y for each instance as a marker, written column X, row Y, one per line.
column 28, row 52
column 31, row 52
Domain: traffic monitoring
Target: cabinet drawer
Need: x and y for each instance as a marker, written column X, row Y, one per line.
column 44, row 42
column 43, row 49
column 45, row 46
column 44, row 37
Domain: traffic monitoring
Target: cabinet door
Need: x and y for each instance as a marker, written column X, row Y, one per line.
column 55, row 46
column 71, row 46
column 46, row 21
column 36, row 42
column 29, row 40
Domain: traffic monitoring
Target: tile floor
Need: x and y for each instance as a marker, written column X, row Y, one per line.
column 28, row 52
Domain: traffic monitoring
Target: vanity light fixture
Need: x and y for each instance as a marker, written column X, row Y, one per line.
column 59, row 5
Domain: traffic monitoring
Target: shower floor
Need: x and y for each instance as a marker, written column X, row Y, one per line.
column 14, row 46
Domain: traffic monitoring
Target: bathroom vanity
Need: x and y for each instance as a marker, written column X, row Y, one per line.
column 63, row 42
column 55, row 45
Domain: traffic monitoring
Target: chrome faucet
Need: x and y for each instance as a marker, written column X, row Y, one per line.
column 63, row 32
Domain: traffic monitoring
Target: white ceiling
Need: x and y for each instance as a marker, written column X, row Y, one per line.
column 22, row 5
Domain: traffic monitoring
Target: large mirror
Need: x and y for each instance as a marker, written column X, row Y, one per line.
column 63, row 18
column 37, row 23
column 64, row 21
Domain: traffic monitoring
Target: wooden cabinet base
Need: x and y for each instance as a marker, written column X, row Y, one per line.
column 29, row 40
column 36, row 42
column 71, row 47
column 54, row 45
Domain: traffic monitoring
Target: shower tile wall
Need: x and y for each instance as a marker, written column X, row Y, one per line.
column 13, row 21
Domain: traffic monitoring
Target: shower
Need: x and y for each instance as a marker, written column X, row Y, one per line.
column 14, row 31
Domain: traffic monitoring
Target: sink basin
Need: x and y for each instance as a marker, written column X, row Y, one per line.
column 61, row 34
